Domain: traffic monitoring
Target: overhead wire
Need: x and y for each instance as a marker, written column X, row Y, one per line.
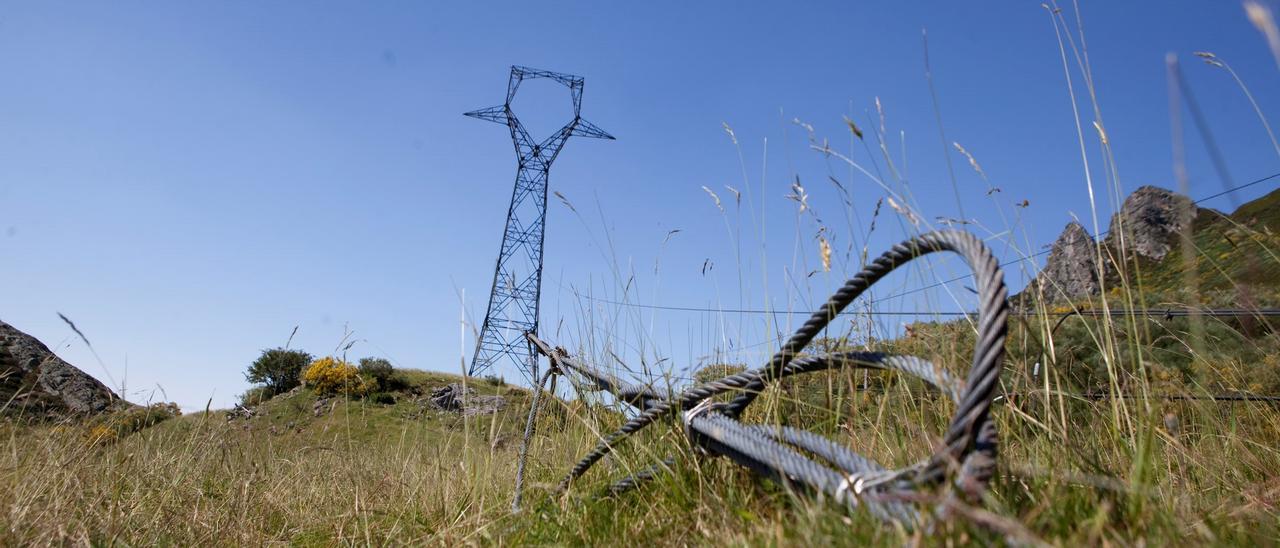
column 679, row 308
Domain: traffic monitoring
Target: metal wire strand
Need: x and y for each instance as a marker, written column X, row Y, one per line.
column 968, row 448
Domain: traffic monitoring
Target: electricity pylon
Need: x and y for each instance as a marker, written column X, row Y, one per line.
column 517, row 278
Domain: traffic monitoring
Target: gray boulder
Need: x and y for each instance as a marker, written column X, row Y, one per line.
column 455, row 398
column 35, row 381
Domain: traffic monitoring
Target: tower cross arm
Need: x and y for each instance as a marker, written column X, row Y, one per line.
column 527, row 72
column 498, row 114
column 587, row 129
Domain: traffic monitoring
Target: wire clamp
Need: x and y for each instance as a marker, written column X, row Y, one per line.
column 856, row 481
column 861, row 482
column 702, row 407
column 687, row 417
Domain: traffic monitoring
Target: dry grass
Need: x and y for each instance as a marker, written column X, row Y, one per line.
column 1166, row 472
column 1125, row 470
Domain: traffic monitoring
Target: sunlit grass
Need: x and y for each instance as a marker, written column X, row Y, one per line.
column 1095, row 446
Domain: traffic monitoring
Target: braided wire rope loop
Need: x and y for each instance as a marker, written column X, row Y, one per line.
column 850, row 462
column 969, row 443
column 754, row 448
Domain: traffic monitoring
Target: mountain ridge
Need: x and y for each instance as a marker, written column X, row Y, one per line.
column 1143, row 245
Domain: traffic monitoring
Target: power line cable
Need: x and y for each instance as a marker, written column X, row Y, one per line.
column 911, row 291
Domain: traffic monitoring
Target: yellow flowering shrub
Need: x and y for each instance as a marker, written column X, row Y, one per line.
column 328, row 376
column 100, row 434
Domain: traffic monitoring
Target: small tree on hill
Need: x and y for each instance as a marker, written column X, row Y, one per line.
column 278, row 369
column 378, row 370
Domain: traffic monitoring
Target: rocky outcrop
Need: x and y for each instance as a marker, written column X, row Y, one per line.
column 456, row 398
column 1147, row 226
column 1150, row 221
column 240, row 412
column 36, row 382
column 1072, row 268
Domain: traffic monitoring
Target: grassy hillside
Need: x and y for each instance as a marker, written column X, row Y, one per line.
column 1232, row 257
column 365, row 473
column 357, row 471
column 1232, row 262
column 1136, row 466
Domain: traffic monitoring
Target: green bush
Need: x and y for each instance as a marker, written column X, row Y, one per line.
column 383, row 398
column 379, row 371
column 278, row 369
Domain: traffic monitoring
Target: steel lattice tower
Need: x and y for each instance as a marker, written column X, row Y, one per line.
column 517, row 278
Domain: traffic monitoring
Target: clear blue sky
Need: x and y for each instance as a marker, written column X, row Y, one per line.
column 189, row 181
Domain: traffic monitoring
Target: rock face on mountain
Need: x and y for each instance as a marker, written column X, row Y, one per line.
column 1147, row 226
column 1149, row 222
column 36, row 382
column 1072, row 268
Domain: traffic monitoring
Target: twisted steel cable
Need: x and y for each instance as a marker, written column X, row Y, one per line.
column 969, row 443
column 528, row 435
